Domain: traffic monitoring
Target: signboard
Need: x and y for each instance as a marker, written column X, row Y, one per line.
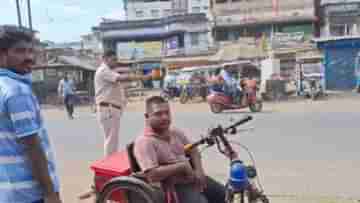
column 171, row 46
column 37, row 75
column 312, row 68
column 265, row 12
column 139, row 50
column 172, row 43
column 285, row 39
column 342, row 8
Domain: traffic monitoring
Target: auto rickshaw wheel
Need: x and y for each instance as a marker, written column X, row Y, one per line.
column 216, row 108
column 256, row 107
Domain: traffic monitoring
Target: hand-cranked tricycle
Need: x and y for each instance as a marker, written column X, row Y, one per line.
column 118, row 178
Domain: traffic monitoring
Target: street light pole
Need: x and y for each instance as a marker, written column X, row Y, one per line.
column 18, row 13
column 29, row 15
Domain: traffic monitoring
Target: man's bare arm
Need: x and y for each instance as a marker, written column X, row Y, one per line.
column 131, row 77
column 200, row 175
column 123, row 70
column 196, row 160
column 163, row 172
column 39, row 163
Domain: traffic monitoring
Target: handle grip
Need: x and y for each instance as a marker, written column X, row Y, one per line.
column 240, row 122
column 188, row 148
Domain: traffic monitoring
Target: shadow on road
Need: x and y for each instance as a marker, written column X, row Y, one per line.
column 248, row 112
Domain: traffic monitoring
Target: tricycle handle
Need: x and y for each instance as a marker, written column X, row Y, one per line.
column 215, row 133
column 240, row 122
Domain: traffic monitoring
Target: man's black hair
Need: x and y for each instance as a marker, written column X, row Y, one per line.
column 154, row 100
column 10, row 35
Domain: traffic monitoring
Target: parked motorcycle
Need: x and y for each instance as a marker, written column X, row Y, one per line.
column 170, row 93
column 193, row 90
column 313, row 88
column 219, row 101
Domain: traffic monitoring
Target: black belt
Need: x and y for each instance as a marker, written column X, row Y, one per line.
column 106, row 104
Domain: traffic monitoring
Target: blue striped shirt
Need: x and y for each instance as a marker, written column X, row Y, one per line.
column 66, row 88
column 20, row 117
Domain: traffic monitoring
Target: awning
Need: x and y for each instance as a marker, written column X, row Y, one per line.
column 190, row 62
column 76, row 61
column 228, row 52
column 310, row 56
column 327, row 39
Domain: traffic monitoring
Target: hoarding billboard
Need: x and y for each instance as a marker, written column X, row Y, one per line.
column 139, row 50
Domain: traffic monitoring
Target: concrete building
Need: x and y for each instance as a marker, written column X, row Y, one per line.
column 200, row 6
column 92, row 42
column 138, row 10
column 340, row 18
column 76, row 45
column 145, row 10
column 156, row 9
column 238, row 18
column 203, row 6
column 340, row 42
column 156, row 38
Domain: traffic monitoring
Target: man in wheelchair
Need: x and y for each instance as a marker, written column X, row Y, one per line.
column 160, row 154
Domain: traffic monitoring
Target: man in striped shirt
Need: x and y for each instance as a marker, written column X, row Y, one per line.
column 27, row 168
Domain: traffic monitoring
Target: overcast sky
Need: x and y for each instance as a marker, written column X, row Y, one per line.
column 62, row 20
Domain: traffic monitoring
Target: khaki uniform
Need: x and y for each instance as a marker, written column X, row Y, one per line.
column 110, row 97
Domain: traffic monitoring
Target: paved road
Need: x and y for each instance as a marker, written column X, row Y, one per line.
column 301, row 154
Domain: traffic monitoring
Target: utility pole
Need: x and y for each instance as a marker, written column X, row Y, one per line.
column 29, row 15
column 18, row 13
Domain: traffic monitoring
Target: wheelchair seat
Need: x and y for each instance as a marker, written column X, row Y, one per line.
column 134, row 165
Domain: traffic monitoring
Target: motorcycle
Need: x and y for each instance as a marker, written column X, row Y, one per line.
column 313, row 88
column 219, row 101
column 170, row 93
column 119, row 178
column 193, row 90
